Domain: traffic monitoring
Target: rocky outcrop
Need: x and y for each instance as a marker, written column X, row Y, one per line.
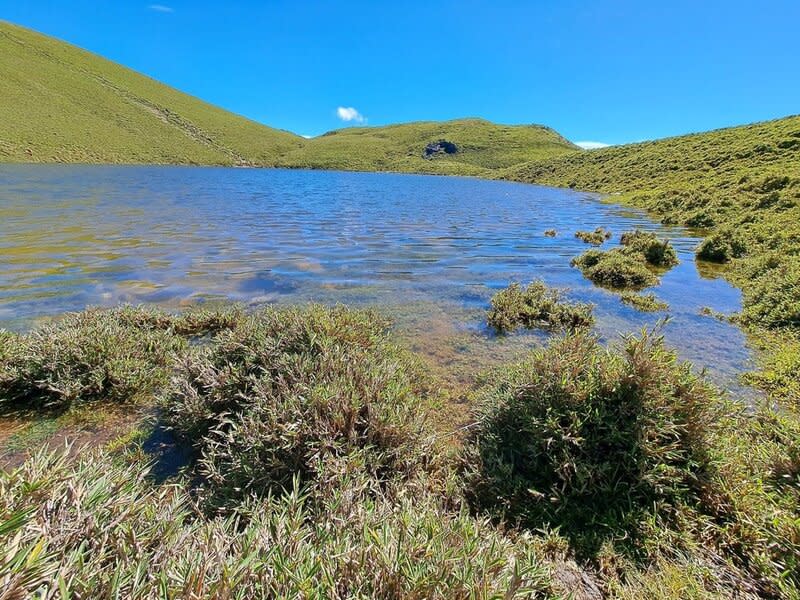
column 438, row 148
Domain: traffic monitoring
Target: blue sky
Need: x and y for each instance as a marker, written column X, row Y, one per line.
column 613, row 71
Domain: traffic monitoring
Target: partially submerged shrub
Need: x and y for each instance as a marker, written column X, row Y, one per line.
column 644, row 302
column 289, row 392
column 591, row 441
column 656, row 252
column 614, row 269
column 97, row 528
column 720, row 247
column 550, row 232
column 596, row 237
column 536, row 306
column 93, row 355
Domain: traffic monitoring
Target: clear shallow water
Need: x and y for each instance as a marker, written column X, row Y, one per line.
column 431, row 250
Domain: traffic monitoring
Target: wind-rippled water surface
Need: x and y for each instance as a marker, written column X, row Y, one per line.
column 429, row 249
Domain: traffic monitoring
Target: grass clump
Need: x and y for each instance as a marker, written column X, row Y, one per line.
column 655, row 252
column 550, row 233
column 614, row 269
column 595, row 238
column 309, row 393
column 96, row 527
column 193, row 322
column 720, row 247
column 596, row 443
column 644, row 302
column 83, row 357
column 536, row 306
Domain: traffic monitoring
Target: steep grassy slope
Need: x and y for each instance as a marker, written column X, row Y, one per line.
column 59, row 103
column 481, row 146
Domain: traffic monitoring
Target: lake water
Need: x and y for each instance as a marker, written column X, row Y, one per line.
column 429, row 250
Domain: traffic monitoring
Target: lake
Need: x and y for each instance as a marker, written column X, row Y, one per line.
column 428, row 250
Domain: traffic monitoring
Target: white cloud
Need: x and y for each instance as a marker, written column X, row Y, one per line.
column 348, row 114
column 308, row 137
column 161, row 8
column 592, row 145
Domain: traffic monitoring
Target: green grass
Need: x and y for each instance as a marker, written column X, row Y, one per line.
column 59, row 103
column 536, row 306
column 740, row 185
column 482, row 147
column 317, row 468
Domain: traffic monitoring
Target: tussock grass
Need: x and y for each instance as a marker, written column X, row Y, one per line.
column 614, row 269
column 314, row 393
column 598, row 444
column 118, row 355
column 97, row 528
column 630, row 265
column 642, row 466
column 647, row 246
column 595, row 238
column 83, row 357
column 536, row 306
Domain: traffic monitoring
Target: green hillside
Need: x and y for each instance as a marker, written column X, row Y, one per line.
column 480, row 146
column 741, row 188
column 59, row 103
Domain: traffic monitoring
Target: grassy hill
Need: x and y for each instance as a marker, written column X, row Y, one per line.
column 480, row 147
column 741, row 188
column 59, row 103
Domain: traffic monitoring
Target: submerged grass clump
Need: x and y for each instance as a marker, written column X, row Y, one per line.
column 655, row 252
column 598, row 444
column 630, row 265
column 312, row 393
column 644, row 302
column 536, row 306
column 614, row 269
column 596, row 237
column 550, row 232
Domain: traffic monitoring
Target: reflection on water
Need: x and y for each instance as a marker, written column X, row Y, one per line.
column 431, row 249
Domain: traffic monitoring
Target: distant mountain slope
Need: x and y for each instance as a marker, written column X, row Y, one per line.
column 478, row 146
column 59, row 103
